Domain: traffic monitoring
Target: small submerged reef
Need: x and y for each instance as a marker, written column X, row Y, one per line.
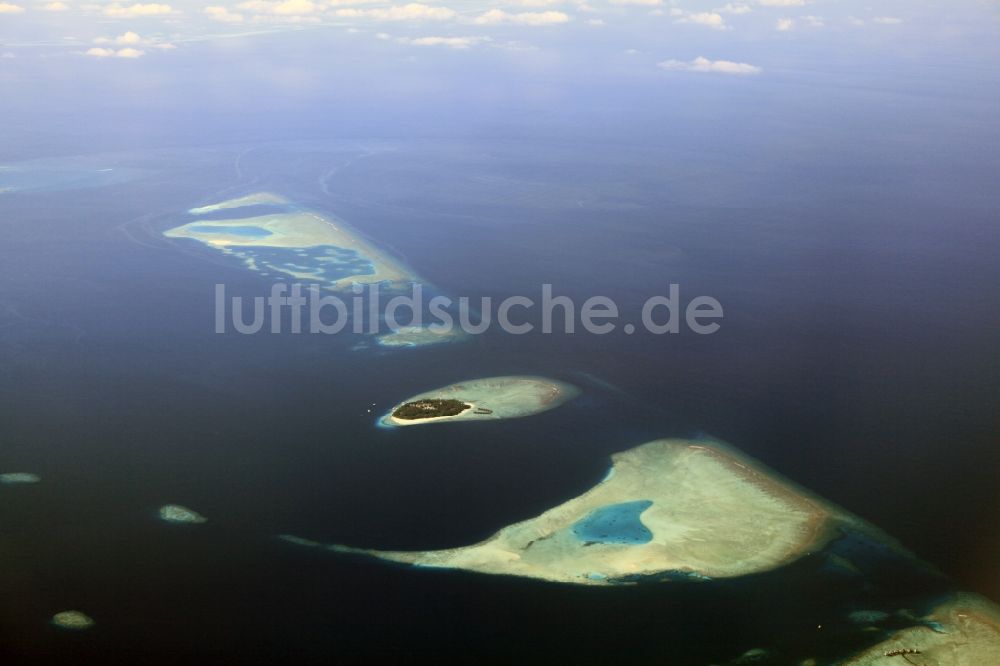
column 175, row 513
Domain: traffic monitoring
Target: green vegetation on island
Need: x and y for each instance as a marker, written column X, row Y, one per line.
column 430, row 408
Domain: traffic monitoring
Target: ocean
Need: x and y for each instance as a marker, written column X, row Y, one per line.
column 857, row 356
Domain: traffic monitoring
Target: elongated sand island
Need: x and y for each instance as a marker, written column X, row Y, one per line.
column 420, row 336
column 293, row 241
column 667, row 510
column 482, row 400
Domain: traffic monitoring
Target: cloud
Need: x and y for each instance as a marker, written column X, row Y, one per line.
column 281, row 7
column 701, row 64
column 7, row 8
column 734, row 8
column 595, row 22
column 498, row 16
column 781, row 3
column 7, row 55
column 814, row 21
column 413, row 11
column 55, row 7
column 219, row 13
column 708, row 19
column 648, row 3
column 112, row 53
column 127, row 39
column 451, row 42
column 138, row 9
column 887, row 20
column 784, row 24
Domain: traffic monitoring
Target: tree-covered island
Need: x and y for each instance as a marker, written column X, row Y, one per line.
column 430, row 408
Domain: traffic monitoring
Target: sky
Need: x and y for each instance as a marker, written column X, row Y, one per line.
column 140, row 68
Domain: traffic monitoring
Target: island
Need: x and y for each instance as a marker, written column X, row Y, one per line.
column 72, row 619
column 490, row 398
column 12, row 478
column 430, row 408
column 420, row 336
column 668, row 510
column 963, row 630
column 175, row 513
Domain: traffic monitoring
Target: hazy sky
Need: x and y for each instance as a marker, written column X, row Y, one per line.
column 265, row 64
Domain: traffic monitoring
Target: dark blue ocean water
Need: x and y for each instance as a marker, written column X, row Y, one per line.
column 857, row 357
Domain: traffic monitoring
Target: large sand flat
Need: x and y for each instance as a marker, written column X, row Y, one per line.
column 711, row 513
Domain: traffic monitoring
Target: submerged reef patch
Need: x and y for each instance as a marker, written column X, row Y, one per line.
column 13, row 478
column 72, row 619
column 175, row 513
column 420, row 336
column 293, row 241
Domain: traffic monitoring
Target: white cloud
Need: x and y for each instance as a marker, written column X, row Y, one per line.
column 648, row 3
column 498, row 16
column 595, row 22
column 112, row 53
column 781, row 3
column 414, row 11
column 784, row 24
column 887, row 20
column 701, row 64
column 127, row 39
column 708, row 19
column 814, row 21
column 280, row 7
column 138, row 9
column 55, row 7
column 219, row 13
column 451, row 42
column 734, row 8
column 7, row 8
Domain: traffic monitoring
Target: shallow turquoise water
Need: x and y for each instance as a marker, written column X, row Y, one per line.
column 615, row 523
column 248, row 231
